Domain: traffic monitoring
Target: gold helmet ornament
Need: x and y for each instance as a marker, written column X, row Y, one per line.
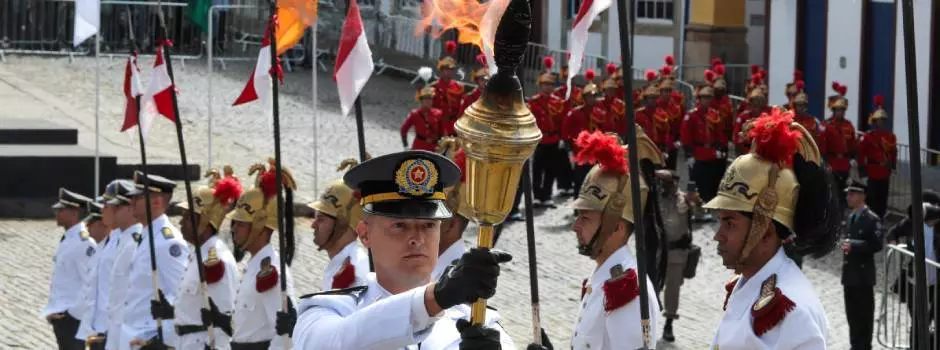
column 756, row 95
column 801, row 99
column 590, row 89
column 783, row 186
column 838, row 101
column 705, row 91
column 607, row 186
column 879, row 113
column 796, row 86
column 482, row 70
column 547, row 77
column 212, row 203
column 425, row 92
column 258, row 206
column 341, row 203
column 447, row 60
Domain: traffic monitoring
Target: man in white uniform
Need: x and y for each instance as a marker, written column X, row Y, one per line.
column 76, row 247
column 126, row 242
column 139, row 328
column 259, row 301
column 779, row 193
column 94, row 322
column 399, row 307
column 337, row 215
column 190, row 315
column 610, row 302
column 452, row 245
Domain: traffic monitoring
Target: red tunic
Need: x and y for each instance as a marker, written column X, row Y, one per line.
column 616, row 116
column 840, row 144
column 703, row 132
column 726, row 112
column 583, row 118
column 674, row 110
column 576, row 99
column 815, row 128
column 448, row 97
column 549, row 111
column 427, row 124
column 657, row 128
column 878, row 152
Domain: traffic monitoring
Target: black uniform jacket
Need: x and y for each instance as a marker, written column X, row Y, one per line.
column 865, row 234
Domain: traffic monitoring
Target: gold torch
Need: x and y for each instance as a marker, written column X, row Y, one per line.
column 498, row 134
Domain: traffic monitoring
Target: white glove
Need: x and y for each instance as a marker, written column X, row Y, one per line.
column 561, row 144
column 678, row 144
column 690, row 161
column 853, row 163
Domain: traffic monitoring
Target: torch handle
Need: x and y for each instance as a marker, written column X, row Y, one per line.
column 478, row 311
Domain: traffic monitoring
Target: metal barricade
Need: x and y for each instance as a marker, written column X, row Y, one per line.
column 893, row 319
column 736, row 76
column 899, row 195
column 38, row 28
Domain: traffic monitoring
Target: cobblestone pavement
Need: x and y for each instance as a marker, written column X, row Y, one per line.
column 241, row 137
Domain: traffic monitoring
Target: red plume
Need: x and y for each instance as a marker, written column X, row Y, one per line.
column 268, row 183
column 670, row 60
column 835, row 86
column 763, row 74
column 567, row 56
column 227, row 190
column 589, row 75
column 799, row 85
column 776, row 142
column 843, row 89
column 460, row 158
column 716, row 61
column 797, row 75
column 754, row 69
column 548, row 62
column 755, row 78
column 611, row 68
column 650, row 75
column 603, row 149
column 879, row 101
column 666, row 70
column 450, row 47
column 719, row 69
column 481, row 59
column 709, row 75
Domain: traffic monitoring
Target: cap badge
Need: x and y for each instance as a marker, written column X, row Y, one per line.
column 416, row 177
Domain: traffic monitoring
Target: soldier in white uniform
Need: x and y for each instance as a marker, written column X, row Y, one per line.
column 76, row 247
column 452, row 246
column 126, row 243
column 190, row 314
column 400, row 308
column 777, row 194
column 94, row 322
column 334, row 224
column 139, row 329
column 258, row 302
column 609, row 316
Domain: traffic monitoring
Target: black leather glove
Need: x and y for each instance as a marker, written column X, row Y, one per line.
column 477, row 337
column 219, row 319
column 286, row 320
column 161, row 309
column 154, row 344
column 473, row 277
column 546, row 343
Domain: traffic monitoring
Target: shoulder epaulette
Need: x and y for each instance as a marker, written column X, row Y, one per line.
column 84, row 235
column 167, row 232
column 343, row 291
column 770, row 308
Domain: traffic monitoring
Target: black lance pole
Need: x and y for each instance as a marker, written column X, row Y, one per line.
column 639, row 232
column 278, row 176
column 153, row 253
column 178, row 120
column 530, row 242
column 917, row 213
column 361, row 135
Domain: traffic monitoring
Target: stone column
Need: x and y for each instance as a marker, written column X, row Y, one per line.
column 717, row 28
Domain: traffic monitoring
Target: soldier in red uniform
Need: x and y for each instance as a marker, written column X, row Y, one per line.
column 840, row 137
column 565, row 175
column 808, row 121
column 757, row 105
column 656, row 119
column 705, row 142
column 878, row 156
column 722, row 101
column 616, row 109
column 480, row 76
column 550, row 156
column 672, row 102
column 448, row 94
column 426, row 120
column 793, row 88
column 587, row 117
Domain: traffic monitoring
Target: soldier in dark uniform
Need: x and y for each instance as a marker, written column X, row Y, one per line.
column 863, row 238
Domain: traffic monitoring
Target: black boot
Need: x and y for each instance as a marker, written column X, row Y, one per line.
column 667, row 331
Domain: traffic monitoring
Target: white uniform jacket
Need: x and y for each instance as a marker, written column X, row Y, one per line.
column 76, row 247
column 221, row 279
column 376, row 319
column 447, row 258
column 172, row 254
column 255, row 314
column 352, row 256
column 618, row 328
column 803, row 327
column 119, row 280
column 95, row 291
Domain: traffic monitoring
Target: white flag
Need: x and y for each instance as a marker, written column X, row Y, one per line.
column 87, row 20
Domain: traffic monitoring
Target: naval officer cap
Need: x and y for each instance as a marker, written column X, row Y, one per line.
column 69, row 199
column 856, row 186
column 404, row 185
column 118, row 192
column 158, row 184
column 94, row 210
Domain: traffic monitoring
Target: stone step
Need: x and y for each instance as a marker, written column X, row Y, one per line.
column 36, row 132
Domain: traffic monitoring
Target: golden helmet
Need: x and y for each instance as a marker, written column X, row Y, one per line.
column 547, row 78
column 456, row 194
column 762, row 182
column 212, row 203
column 482, row 70
column 705, row 91
column 258, row 205
column 427, row 91
column 838, row 101
column 340, row 201
column 757, row 93
column 667, row 83
column 879, row 113
column 650, row 91
column 590, row 90
column 447, row 61
column 801, row 98
column 610, row 84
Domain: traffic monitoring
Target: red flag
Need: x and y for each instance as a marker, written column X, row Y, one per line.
column 259, row 83
column 354, row 63
column 161, row 88
column 132, row 90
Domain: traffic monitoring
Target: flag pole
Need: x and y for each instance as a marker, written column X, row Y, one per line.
column 278, row 176
column 530, row 243
column 917, row 214
column 177, row 119
column 361, row 136
column 316, row 111
column 97, row 110
column 626, row 51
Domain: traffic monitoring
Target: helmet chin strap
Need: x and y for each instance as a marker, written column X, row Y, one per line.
column 587, row 249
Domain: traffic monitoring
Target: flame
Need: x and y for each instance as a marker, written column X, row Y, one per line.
column 464, row 15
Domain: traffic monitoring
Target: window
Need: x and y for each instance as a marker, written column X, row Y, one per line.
column 655, row 10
